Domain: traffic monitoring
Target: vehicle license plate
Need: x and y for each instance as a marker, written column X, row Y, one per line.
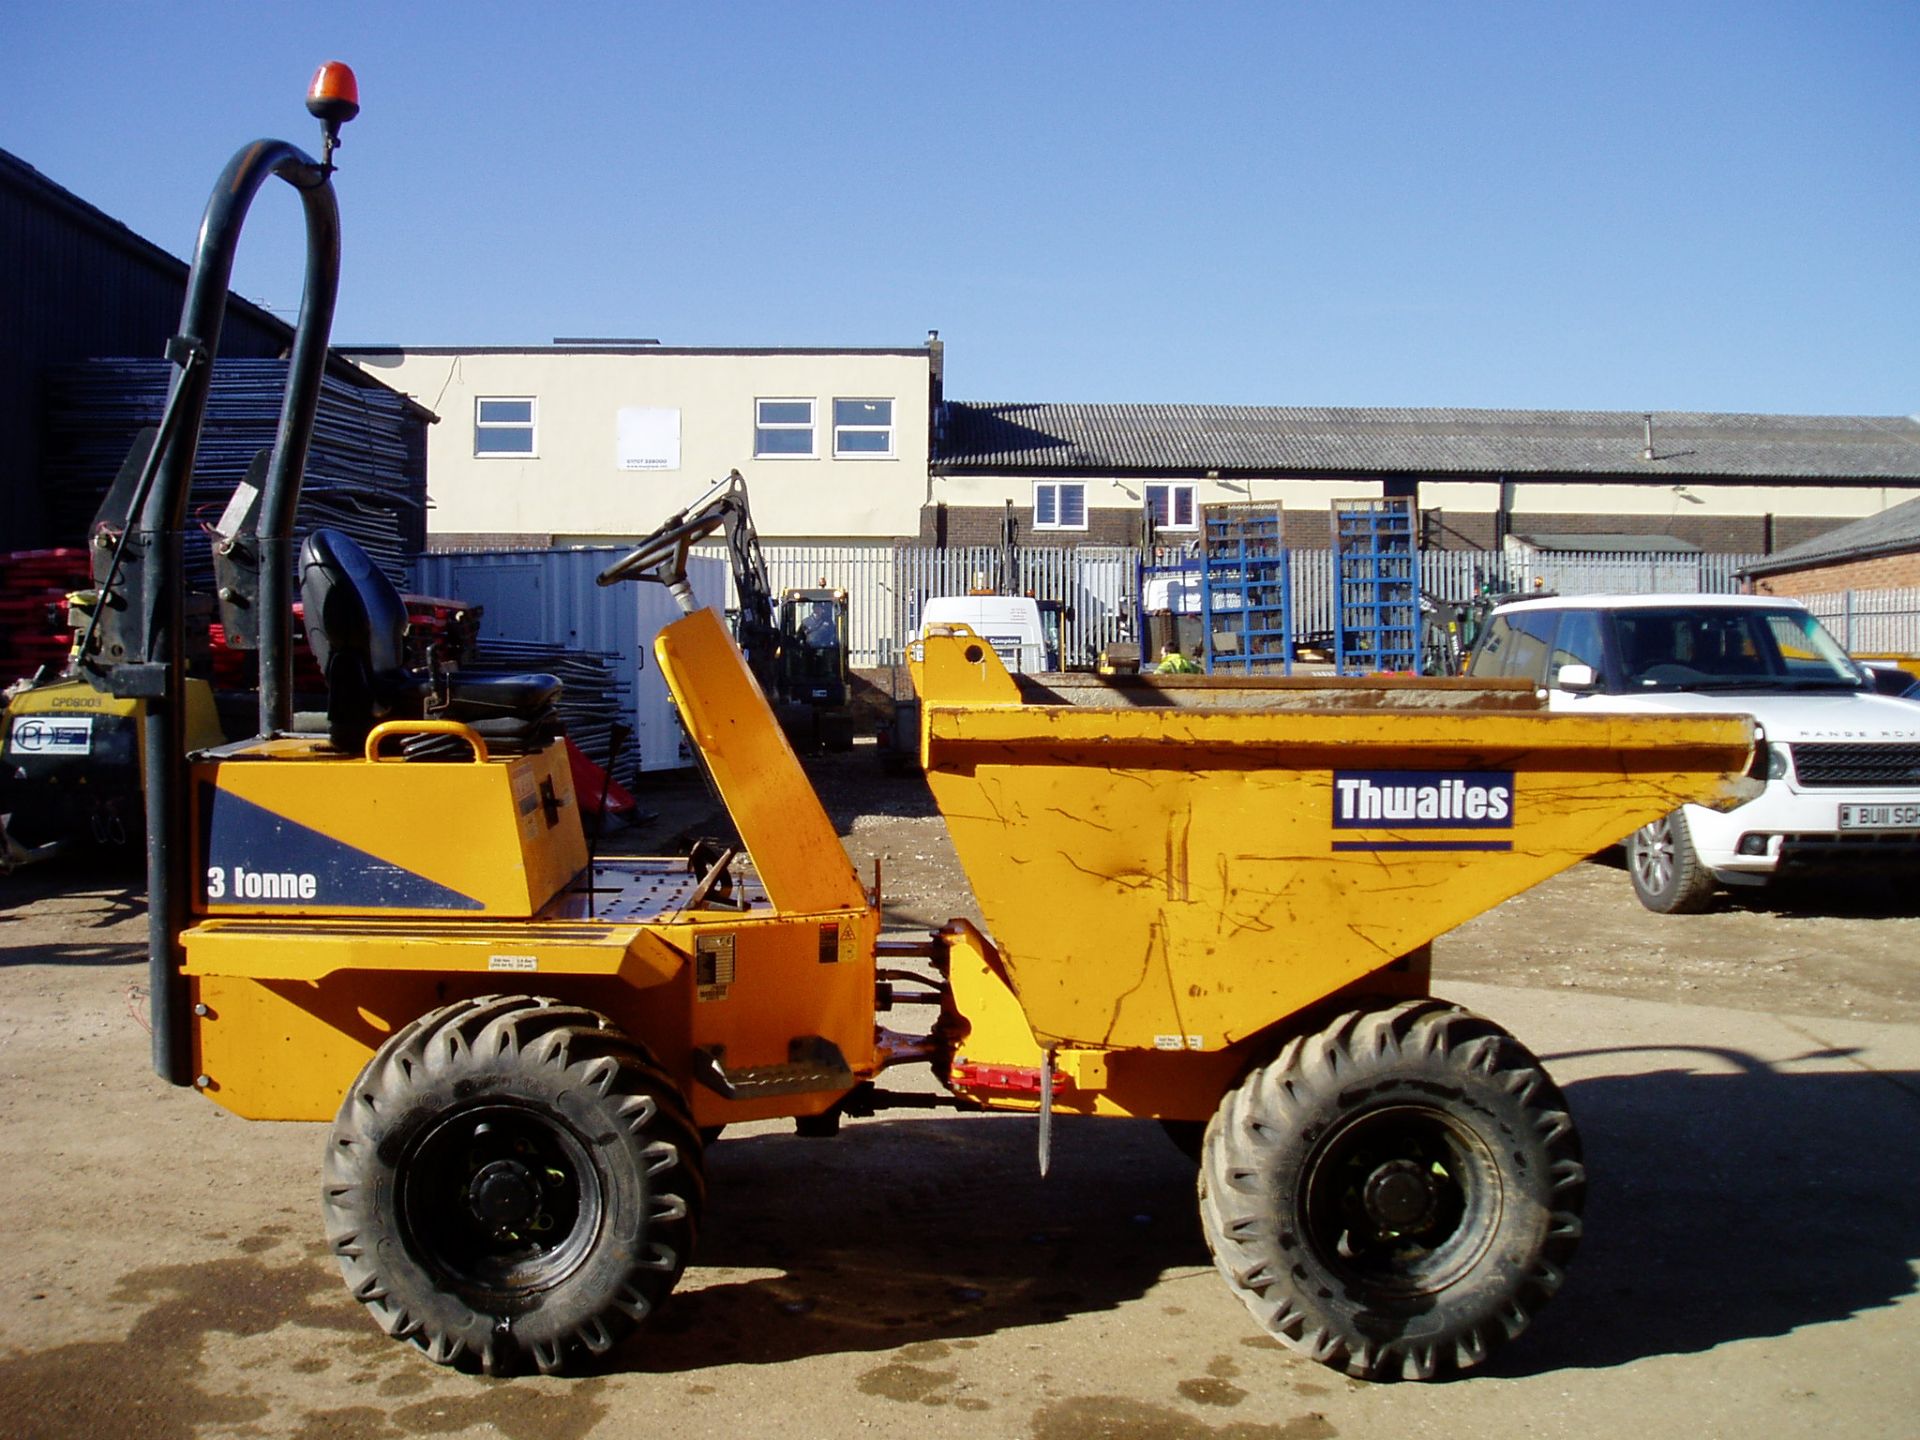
column 1880, row 817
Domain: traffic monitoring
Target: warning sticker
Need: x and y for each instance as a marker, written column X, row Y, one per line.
column 837, row 942
column 713, row 965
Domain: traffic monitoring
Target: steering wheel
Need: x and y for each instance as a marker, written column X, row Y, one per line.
column 665, row 550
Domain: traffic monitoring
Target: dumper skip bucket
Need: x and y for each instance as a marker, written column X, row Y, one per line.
column 1176, row 862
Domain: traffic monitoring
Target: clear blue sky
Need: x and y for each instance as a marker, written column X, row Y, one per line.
column 1565, row 205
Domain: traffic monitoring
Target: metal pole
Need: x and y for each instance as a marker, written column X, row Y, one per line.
column 162, row 517
column 285, row 471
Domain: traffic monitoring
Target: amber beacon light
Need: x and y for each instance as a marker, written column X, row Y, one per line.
column 333, row 98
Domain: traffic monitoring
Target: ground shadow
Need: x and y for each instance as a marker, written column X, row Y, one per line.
column 1731, row 1201
column 1810, row 897
column 96, row 901
column 1724, row 1206
column 1860, row 893
column 905, row 1231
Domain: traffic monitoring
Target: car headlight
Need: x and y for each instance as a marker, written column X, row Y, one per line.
column 1779, row 762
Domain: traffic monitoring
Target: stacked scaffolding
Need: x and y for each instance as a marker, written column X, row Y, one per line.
column 366, row 470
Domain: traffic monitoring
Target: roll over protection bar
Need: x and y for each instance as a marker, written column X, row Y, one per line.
column 158, row 513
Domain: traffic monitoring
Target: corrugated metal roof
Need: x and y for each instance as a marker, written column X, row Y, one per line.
column 592, row 347
column 1893, row 531
column 1611, row 541
column 982, row 438
column 155, row 279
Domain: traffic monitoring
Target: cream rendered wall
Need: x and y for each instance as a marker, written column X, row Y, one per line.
column 1478, row 497
column 1652, row 497
column 573, row 487
column 1117, row 494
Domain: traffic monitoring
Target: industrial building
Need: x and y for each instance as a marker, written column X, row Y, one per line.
column 590, row 440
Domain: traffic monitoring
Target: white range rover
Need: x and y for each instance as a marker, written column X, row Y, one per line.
column 1842, row 764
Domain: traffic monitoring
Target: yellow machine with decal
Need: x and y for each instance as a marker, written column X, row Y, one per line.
column 1210, row 901
column 319, row 872
column 1207, row 902
column 71, row 766
column 1236, row 851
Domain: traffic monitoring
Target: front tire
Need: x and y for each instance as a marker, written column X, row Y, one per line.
column 509, row 1180
column 1666, row 871
column 1397, row 1194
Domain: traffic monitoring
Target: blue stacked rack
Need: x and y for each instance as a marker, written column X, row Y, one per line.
column 1248, row 593
column 1376, row 561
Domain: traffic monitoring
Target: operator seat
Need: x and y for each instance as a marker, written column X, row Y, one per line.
column 357, row 625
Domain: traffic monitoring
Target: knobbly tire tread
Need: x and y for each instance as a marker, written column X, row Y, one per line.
column 1267, row 1133
column 622, row 1107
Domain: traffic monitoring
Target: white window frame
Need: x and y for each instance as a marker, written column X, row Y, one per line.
column 1046, row 500
column 841, row 453
column 531, row 425
column 811, row 427
column 1173, row 490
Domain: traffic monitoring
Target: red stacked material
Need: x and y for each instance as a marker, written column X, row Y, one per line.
column 446, row 629
column 595, row 791
column 449, row 629
column 33, row 608
column 239, row 669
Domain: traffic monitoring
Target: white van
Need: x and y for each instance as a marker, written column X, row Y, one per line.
column 1023, row 633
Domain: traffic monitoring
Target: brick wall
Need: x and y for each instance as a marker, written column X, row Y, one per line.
column 1883, row 572
column 958, row 525
column 961, row 525
column 517, row 540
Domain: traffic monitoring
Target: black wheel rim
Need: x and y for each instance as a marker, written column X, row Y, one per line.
column 500, row 1199
column 1400, row 1201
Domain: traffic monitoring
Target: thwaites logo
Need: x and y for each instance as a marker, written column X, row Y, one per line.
column 1401, row 800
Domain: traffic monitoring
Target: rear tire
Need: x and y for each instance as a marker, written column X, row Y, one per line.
column 1397, row 1194
column 512, row 1180
column 1666, row 870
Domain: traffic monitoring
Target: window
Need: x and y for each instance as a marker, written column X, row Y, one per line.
column 1577, row 642
column 863, row 429
column 1173, row 507
column 503, row 427
column 783, row 427
column 1059, row 505
column 1516, row 646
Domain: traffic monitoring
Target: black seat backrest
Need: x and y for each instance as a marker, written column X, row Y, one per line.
column 357, row 626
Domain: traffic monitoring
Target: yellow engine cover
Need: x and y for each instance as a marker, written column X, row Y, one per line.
column 292, row 827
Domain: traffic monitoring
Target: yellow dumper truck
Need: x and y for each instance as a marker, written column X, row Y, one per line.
column 1207, row 902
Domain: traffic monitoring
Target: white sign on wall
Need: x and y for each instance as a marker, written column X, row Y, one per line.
column 649, row 439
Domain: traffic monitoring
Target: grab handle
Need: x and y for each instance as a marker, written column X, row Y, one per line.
column 388, row 729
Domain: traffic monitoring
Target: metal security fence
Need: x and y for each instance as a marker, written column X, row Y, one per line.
column 1463, row 574
column 1098, row 587
column 1871, row 622
column 889, row 583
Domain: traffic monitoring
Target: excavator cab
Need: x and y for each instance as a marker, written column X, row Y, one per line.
column 813, row 647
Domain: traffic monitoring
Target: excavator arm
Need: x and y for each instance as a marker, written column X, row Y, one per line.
column 662, row 559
